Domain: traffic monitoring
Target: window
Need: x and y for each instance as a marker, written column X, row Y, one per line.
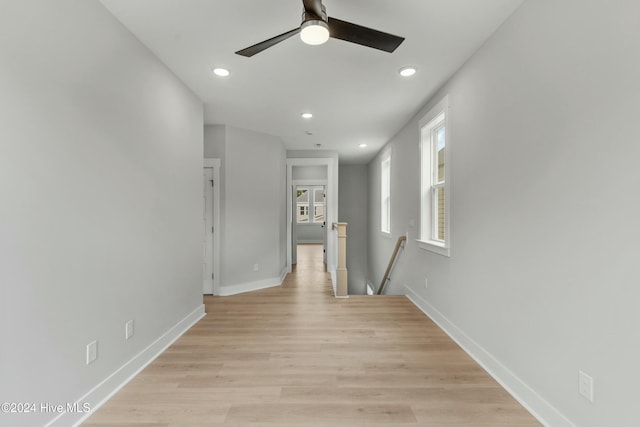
column 385, row 194
column 302, row 205
column 303, row 214
column 318, row 205
column 318, row 213
column 310, row 199
column 434, row 190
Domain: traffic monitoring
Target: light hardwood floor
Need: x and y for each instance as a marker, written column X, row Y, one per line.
column 296, row 356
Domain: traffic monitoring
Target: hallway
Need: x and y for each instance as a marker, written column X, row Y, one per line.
column 294, row 355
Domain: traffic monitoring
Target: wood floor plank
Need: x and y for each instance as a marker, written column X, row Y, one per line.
column 324, row 414
column 296, row 356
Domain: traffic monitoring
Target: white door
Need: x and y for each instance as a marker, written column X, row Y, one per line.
column 324, row 225
column 294, row 233
column 207, row 240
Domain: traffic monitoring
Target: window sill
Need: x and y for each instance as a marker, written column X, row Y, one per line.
column 435, row 247
column 385, row 234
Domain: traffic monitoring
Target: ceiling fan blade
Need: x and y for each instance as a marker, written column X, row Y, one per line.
column 313, row 6
column 259, row 47
column 362, row 35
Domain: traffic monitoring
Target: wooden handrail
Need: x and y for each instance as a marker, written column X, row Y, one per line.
column 392, row 261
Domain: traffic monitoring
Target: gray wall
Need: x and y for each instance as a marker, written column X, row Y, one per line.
column 311, row 154
column 101, row 200
column 543, row 271
column 253, row 204
column 353, row 209
column 214, row 141
column 309, row 233
column 309, row 173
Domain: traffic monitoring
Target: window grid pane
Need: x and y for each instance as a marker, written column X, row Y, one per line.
column 318, row 205
column 439, row 223
column 440, row 160
column 303, row 214
column 433, row 161
column 302, row 204
column 437, row 139
column 385, row 196
column 318, row 212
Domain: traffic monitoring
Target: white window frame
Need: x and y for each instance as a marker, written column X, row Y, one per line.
column 298, row 213
column 436, row 117
column 316, row 205
column 311, row 206
column 304, row 210
column 385, row 193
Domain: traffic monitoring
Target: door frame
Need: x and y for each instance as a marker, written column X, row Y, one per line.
column 331, row 214
column 294, row 238
column 215, row 165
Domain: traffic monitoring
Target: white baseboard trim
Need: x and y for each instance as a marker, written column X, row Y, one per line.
column 532, row 401
column 369, row 288
column 240, row 288
column 334, row 281
column 97, row 396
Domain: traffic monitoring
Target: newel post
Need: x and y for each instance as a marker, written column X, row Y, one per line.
column 342, row 288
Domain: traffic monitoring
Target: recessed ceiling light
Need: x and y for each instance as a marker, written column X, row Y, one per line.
column 362, row 145
column 221, row 72
column 407, row 71
column 306, row 115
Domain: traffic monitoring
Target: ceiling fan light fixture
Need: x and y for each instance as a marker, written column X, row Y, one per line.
column 314, row 32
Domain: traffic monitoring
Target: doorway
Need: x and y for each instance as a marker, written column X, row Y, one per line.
column 295, row 177
column 211, row 226
column 309, row 219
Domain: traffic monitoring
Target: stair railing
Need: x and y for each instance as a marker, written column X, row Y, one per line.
column 392, row 261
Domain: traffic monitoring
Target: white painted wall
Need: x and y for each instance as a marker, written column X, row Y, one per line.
column 542, row 278
column 214, row 141
column 253, row 204
column 100, row 200
column 312, row 154
column 353, row 210
column 309, row 233
column 309, row 173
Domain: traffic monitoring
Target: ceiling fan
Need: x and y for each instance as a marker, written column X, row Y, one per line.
column 317, row 27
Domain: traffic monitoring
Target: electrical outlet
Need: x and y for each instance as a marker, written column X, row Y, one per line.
column 426, row 283
column 585, row 386
column 128, row 329
column 92, row 352
column 256, row 267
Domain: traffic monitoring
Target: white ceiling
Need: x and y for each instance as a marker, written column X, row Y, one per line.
column 354, row 92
